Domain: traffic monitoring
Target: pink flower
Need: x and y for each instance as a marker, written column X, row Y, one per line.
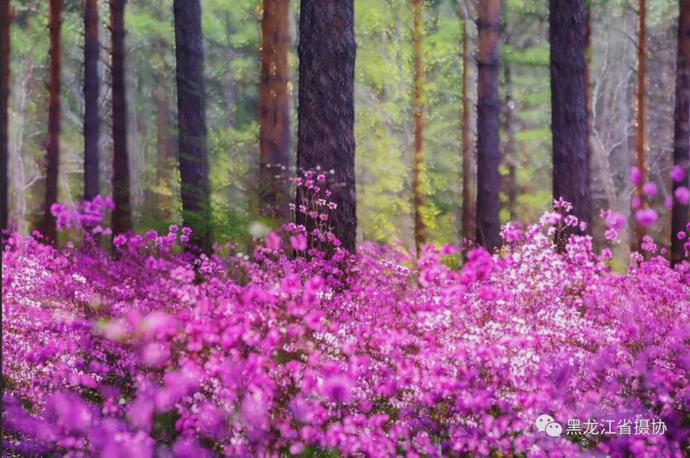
column 646, row 217
column 636, row 202
column 254, row 410
column 273, row 241
column 337, row 388
column 677, row 174
column 611, row 234
column 649, row 189
column 298, row 242
column 635, row 175
column 668, row 202
column 682, row 195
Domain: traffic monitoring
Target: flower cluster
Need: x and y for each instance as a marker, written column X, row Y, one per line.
column 154, row 353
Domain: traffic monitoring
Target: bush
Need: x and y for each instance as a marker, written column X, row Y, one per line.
column 298, row 352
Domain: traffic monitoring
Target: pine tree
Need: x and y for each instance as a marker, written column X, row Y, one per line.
column 681, row 146
column 488, row 125
column 122, row 214
column 91, row 117
column 53, row 145
column 326, row 104
column 191, row 112
column 569, row 123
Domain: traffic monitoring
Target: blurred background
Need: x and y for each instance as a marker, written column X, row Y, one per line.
column 384, row 122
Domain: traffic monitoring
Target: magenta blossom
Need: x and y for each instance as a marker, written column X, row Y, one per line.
column 646, row 217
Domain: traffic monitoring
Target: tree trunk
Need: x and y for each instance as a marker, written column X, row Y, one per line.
column 164, row 151
column 569, row 123
column 91, row 118
column 681, row 145
column 274, row 107
column 122, row 214
column 488, row 125
column 640, row 140
column 417, row 187
column 191, row 116
column 5, row 21
column 165, row 141
column 509, row 151
column 326, row 104
column 53, row 146
column 468, row 167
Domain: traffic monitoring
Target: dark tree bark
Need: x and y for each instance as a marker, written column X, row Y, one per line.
column 91, row 117
column 53, row 146
column 488, row 125
column 274, row 107
column 509, row 150
column 640, row 129
column 326, row 103
column 5, row 21
column 569, row 123
column 122, row 214
column 681, row 145
column 468, row 167
column 191, row 113
column 165, row 139
column 417, row 7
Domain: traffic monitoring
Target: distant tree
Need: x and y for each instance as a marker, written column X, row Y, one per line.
column 165, row 141
column 191, row 113
column 53, row 145
column 640, row 119
column 468, row 166
column 488, row 124
column 681, row 145
column 509, row 150
column 91, row 117
column 417, row 187
column 5, row 20
column 326, row 103
column 122, row 214
column 274, row 106
column 569, row 123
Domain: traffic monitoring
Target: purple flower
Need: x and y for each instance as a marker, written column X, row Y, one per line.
column 635, row 175
column 298, row 242
column 646, row 217
column 677, row 174
column 682, row 195
column 649, row 189
column 337, row 388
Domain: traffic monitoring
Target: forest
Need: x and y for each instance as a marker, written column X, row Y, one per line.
column 333, row 228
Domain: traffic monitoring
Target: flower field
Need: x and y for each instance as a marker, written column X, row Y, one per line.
column 294, row 352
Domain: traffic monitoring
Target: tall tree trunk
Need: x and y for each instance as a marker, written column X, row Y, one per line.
column 326, row 104
column 274, row 107
column 165, row 141
column 588, row 63
column 681, row 145
column 5, row 21
column 488, row 125
column 509, row 151
column 91, row 117
column 468, row 167
column 417, row 187
column 191, row 114
column 164, row 152
column 569, row 123
column 640, row 120
column 53, row 146
column 122, row 215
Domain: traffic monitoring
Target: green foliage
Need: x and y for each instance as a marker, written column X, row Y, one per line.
column 384, row 112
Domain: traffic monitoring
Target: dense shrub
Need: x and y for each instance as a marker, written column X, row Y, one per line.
column 291, row 351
